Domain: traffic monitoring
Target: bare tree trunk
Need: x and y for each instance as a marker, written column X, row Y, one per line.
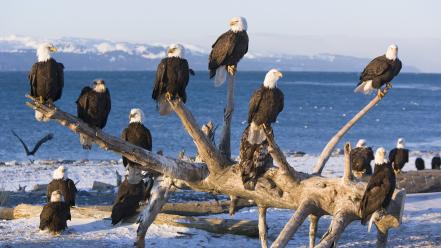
column 336, row 228
column 302, row 192
column 159, row 196
column 225, row 143
column 313, row 219
column 326, row 153
column 347, row 176
column 263, row 227
column 382, row 239
column 293, row 224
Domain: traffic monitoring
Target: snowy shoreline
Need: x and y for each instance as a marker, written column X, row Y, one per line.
column 420, row 228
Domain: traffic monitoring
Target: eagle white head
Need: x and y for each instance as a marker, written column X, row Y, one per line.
column 380, row 156
column 401, row 143
column 361, row 143
column 56, row 196
column 60, row 173
column 176, row 50
column 392, row 52
column 99, row 86
column 44, row 51
column 271, row 78
column 238, row 24
column 136, row 115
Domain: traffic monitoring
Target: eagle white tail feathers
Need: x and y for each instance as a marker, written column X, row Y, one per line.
column 86, row 142
column 374, row 217
column 221, row 76
column 164, row 106
column 256, row 135
column 365, row 88
column 40, row 117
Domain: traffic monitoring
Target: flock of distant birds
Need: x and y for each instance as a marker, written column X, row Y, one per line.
column 172, row 76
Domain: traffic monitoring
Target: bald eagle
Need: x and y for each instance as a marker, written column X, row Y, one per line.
column 399, row 156
column 380, row 187
column 93, row 107
column 130, row 194
column 361, row 157
column 419, row 164
column 228, row 50
column 55, row 214
column 172, row 77
column 265, row 105
column 46, row 78
column 380, row 71
column 436, row 162
column 66, row 186
column 136, row 133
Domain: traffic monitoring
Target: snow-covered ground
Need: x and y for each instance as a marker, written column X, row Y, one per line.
column 421, row 221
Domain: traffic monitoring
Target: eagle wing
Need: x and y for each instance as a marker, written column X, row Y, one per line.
column 46, row 217
column 60, row 80
column 149, row 139
column 82, row 102
column 183, row 77
column 72, row 191
column 124, row 137
column 159, row 85
column 32, row 76
column 107, row 107
column 254, row 104
column 375, row 68
column 377, row 190
column 223, row 47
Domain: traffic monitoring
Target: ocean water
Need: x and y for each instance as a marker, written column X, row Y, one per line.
column 317, row 104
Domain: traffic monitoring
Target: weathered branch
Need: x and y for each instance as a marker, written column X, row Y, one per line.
column 263, row 227
column 336, row 228
column 171, row 167
column 276, row 153
column 313, row 219
column 293, row 224
column 326, row 153
column 225, row 140
column 347, row 176
column 212, row 157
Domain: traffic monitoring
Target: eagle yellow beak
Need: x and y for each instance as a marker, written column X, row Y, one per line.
column 52, row 49
column 279, row 74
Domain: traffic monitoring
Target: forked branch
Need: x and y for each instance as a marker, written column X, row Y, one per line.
column 326, row 153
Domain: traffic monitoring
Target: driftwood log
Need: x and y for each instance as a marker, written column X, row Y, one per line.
column 213, row 225
column 307, row 194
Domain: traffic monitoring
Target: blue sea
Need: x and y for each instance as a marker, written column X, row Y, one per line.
column 317, row 104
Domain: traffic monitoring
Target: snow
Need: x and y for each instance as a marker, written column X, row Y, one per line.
column 420, row 228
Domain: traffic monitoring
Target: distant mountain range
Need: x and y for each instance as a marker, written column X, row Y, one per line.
column 17, row 53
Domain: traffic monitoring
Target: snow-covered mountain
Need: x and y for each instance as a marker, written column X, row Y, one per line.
column 18, row 53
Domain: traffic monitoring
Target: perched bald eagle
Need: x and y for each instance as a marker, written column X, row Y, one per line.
column 419, row 164
column 399, row 156
column 361, row 157
column 380, row 187
column 380, row 71
column 436, row 162
column 228, row 50
column 254, row 160
column 265, row 105
column 136, row 133
column 66, row 186
column 131, row 192
column 55, row 214
column 46, row 78
column 171, row 79
column 93, row 107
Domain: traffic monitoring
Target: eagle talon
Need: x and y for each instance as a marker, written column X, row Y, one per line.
column 231, row 69
column 380, row 94
column 168, row 96
column 41, row 99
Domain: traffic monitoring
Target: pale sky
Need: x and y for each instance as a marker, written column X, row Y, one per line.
column 347, row 27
